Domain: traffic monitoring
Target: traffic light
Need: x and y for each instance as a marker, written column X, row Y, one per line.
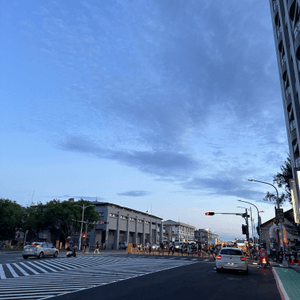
column 84, row 235
column 209, row 213
column 245, row 229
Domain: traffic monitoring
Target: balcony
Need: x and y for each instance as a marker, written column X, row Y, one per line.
column 292, row 125
column 288, row 92
column 297, row 40
column 291, row 8
column 284, row 67
column 297, row 162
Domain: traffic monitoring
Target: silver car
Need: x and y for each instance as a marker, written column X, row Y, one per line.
column 39, row 249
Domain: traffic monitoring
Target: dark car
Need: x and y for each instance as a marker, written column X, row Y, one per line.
column 297, row 245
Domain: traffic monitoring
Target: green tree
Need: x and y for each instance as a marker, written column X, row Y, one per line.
column 11, row 216
column 34, row 218
column 282, row 180
column 61, row 215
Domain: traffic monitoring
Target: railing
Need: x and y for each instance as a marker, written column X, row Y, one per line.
column 275, row 4
column 279, row 30
column 297, row 29
column 288, row 92
column 297, row 162
column 293, row 125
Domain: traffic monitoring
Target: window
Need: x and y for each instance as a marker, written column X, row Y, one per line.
column 231, row 252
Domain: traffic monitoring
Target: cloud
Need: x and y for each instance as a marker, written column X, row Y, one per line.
column 134, row 193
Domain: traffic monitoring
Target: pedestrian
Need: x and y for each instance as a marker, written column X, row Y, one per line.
column 84, row 247
column 97, row 248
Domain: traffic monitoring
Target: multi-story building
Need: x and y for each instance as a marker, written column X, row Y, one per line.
column 122, row 224
column 203, row 236
column 286, row 25
column 177, row 231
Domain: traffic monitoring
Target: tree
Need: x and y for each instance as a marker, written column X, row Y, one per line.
column 11, row 216
column 282, row 180
column 61, row 215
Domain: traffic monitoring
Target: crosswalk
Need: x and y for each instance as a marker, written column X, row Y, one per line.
column 50, row 278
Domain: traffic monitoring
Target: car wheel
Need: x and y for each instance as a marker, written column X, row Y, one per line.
column 41, row 255
column 219, row 270
column 55, row 254
column 25, row 256
column 246, row 272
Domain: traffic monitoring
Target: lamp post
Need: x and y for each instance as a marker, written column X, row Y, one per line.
column 278, row 207
column 82, row 216
column 258, row 217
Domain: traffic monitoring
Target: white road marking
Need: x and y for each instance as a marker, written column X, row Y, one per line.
column 20, row 269
column 30, row 269
column 2, row 274
column 12, row 271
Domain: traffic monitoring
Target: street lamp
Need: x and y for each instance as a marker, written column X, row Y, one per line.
column 82, row 216
column 278, row 206
column 258, row 217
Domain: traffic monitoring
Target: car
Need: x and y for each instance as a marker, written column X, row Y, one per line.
column 123, row 245
column 231, row 258
column 40, row 250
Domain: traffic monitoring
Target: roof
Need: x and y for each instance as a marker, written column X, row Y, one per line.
column 97, row 203
column 171, row 223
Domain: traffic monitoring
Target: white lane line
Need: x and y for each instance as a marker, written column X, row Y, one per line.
column 20, row 269
column 12, row 271
column 43, row 270
column 30, row 269
column 46, row 264
column 2, row 274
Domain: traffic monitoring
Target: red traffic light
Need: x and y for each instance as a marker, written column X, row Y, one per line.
column 84, row 235
column 209, row 213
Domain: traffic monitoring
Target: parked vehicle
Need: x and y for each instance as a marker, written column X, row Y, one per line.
column 231, row 258
column 123, row 245
column 40, row 250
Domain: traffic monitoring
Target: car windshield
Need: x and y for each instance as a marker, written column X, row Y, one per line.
column 231, row 252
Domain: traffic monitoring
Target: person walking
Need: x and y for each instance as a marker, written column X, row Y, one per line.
column 97, row 248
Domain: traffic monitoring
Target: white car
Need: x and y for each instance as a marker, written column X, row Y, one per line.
column 231, row 258
column 39, row 249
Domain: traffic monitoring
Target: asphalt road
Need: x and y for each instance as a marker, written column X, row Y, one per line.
column 197, row 281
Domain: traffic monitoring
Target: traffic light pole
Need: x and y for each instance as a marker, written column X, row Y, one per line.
column 82, row 216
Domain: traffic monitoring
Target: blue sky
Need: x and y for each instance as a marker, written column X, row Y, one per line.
column 167, row 106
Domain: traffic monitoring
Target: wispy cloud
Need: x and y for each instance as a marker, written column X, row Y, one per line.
column 134, row 193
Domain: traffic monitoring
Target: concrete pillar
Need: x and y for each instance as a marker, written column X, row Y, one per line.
column 116, row 246
column 161, row 233
column 150, row 232
column 136, row 230
column 144, row 237
column 156, row 231
column 127, row 229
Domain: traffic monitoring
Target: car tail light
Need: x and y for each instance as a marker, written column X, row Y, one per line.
column 219, row 256
column 243, row 258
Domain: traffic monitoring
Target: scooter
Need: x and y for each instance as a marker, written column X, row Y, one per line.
column 71, row 252
column 264, row 262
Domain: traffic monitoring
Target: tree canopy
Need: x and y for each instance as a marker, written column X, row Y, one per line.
column 282, row 180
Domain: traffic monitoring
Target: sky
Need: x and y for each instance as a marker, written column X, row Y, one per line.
column 165, row 106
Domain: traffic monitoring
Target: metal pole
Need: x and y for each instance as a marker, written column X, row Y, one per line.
column 278, row 207
column 82, row 215
column 258, row 216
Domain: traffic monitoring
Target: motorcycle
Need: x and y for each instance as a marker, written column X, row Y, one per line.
column 264, row 262
column 71, row 252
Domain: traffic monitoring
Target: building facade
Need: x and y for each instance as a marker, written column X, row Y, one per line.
column 177, row 231
column 203, row 236
column 286, row 26
column 122, row 224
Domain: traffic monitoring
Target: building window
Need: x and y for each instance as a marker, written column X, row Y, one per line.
column 132, row 219
column 113, row 215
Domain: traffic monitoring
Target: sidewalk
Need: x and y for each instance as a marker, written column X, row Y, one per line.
column 288, row 281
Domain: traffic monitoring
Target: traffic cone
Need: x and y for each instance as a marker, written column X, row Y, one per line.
column 293, row 261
